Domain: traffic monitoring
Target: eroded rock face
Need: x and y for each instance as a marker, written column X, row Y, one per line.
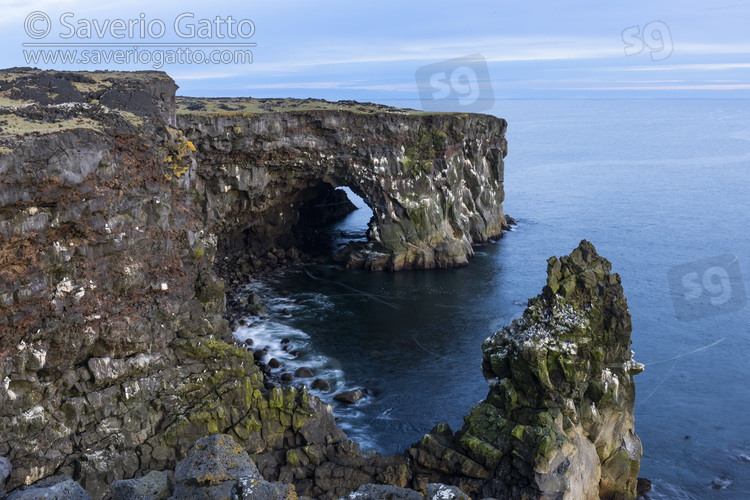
column 434, row 183
column 113, row 351
column 114, row 357
column 558, row 420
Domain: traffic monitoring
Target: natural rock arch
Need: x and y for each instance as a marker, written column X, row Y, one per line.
column 434, row 184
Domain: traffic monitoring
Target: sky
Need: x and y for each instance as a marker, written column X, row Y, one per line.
column 464, row 54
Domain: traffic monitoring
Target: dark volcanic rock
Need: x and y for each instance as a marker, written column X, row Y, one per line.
column 349, row 397
column 211, row 469
column 54, row 488
column 115, row 352
column 644, row 486
column 218, row 468
column 280, row 171
column 274, row 363
column 321, row 385
column 379, row 492
column 156, row 485
column 303, row 372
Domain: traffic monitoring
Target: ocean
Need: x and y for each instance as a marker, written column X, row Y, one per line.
column 661, row 188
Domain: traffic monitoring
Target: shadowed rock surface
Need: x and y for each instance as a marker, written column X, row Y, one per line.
column 156, row 485
column 53, row 488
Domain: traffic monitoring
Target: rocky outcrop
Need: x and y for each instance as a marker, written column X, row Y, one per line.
column 113, row 343
column 558, row 419
column 434, row 182
column 218, row 467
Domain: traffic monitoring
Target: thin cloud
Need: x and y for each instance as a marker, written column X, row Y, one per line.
column 668, row 87
column 395, row 87
column 681, row 67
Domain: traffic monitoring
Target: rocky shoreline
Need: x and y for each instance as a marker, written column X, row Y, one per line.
column 127, row 214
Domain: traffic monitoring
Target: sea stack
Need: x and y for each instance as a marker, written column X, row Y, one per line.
column 558, row 420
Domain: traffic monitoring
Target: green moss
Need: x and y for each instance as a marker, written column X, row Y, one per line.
column 419, row 157
column 482, row 451
column 295, row 457
column 276, row 398
column 205, row 348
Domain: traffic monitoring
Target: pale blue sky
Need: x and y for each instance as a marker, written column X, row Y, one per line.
column 371, row 51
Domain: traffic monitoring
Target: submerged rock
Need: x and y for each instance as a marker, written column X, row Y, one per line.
column 321, row 385
column 303, row 372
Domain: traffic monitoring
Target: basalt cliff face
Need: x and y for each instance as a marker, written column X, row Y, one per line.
column 434, row 182
column 114, row 352
column 119, row 207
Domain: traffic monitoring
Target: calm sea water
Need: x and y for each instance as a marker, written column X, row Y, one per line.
column 653, row 184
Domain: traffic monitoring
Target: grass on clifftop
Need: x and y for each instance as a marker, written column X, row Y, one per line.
column 11, row 125
column 250, row 105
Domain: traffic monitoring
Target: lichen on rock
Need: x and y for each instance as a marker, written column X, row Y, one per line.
column 115, row 355
column 558, row 419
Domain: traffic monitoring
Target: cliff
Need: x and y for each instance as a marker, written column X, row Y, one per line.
column 113, row 208
column 434, row 182
column 120, row 209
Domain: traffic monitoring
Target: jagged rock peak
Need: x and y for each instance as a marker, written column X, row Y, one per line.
column 558, row 420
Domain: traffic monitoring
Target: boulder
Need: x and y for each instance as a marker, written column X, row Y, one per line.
column 349, row 397
column 321, row 385
column 5, row 468
column 218, row 468
column 303, row 372
column 381, row 491
column 274, row 363
column 211, row 469
column 256, row 488
column 156, row 485
column 437, row 491
column 54, row 488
